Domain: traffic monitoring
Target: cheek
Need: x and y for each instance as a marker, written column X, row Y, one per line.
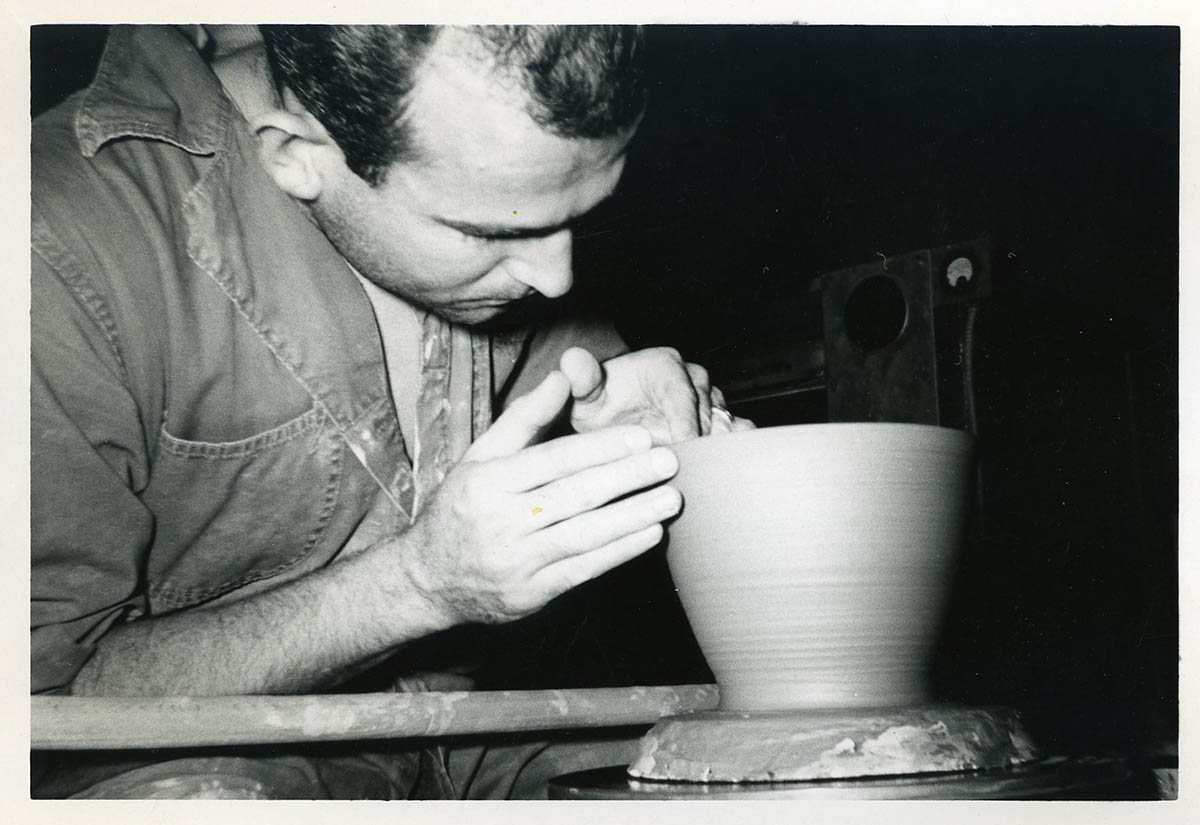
column 417, row 254
column 446, row 261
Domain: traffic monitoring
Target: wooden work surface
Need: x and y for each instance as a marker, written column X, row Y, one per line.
column 90, row 723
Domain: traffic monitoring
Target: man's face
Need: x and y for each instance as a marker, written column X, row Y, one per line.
column 481, row 218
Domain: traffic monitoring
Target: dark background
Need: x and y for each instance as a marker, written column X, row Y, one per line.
column 773, row 154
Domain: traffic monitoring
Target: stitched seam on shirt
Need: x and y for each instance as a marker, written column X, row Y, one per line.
column 219, row 450
column 92, row 135
column 87, row 129
column 266, row 335
column 69, row 271
column 119, row 129
column 177, row 598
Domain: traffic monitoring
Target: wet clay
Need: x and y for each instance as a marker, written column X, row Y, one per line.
column 813, row 561
column 789, row 746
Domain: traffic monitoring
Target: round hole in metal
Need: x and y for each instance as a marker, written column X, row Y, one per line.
column 875, row 313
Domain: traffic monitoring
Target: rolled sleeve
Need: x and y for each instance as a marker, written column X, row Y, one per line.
column 89, row 530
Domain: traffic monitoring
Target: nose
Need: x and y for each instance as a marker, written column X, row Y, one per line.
column 544, row 264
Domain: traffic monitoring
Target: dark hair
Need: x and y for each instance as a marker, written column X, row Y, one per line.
column 581, row 81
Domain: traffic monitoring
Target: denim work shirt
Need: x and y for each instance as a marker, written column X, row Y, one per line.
column 211, row 413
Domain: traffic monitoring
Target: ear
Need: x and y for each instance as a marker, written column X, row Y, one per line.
column 295, row 148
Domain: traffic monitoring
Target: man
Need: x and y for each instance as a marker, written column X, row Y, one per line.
column 264, row 455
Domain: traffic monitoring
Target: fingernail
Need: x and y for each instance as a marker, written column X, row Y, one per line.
column 667, row 501
column 638, row 438
column 663, row 461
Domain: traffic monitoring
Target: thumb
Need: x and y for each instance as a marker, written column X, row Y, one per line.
column 584, row 373
column 523, row 421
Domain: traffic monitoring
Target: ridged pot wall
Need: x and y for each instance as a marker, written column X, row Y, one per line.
column 813, row 561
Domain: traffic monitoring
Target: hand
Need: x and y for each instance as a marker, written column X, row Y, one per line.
column 654, row 388
column 513, row 526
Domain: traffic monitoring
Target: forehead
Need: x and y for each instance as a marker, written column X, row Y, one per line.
column 471, row 129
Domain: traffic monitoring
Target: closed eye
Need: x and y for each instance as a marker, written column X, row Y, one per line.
column 504, row 232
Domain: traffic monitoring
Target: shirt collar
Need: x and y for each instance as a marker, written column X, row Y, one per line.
column 152, row 83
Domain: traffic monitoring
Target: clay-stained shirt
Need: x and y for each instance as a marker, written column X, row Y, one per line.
column 211, row 410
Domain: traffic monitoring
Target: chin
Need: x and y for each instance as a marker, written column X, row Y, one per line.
column 472, row 316
column 492, row 318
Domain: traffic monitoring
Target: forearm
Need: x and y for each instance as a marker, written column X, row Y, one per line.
column 293, row 638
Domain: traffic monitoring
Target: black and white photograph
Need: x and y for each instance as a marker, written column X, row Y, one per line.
column 605, row 411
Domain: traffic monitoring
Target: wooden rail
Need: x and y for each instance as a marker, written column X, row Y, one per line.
column 118, row 722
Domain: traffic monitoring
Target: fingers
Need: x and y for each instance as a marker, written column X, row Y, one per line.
column 740, row 424
column 524, row 420
column 721, row 419
column 584, row 373
column 724, row 421
column 597, row 528
column 652, row 387
column 717, row 397
column 561, row 458
column 678, row 401
column 594, row 487
column 700, row 383
column 570, row 573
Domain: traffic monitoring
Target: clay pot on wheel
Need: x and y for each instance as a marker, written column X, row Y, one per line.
column 813, row 561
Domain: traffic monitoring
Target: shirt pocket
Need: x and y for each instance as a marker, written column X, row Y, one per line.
column 235, row 512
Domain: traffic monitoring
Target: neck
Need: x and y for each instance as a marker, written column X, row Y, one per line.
column 240, row 62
